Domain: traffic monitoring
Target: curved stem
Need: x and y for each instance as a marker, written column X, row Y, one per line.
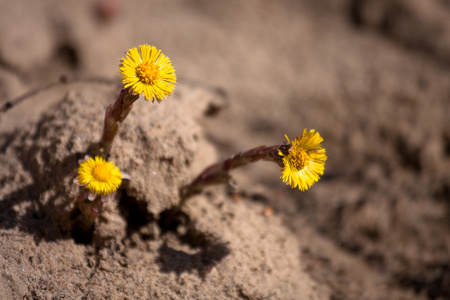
column 219, row 173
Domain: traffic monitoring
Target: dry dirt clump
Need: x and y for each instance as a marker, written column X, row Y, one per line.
column 141, row 248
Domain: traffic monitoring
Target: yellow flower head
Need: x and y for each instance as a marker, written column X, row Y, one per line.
column 305, row 161
column 99, row 176
column 148, row 71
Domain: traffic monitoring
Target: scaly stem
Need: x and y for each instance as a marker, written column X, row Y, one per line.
column 219, row 173
column 114, row 115
column 89, row 209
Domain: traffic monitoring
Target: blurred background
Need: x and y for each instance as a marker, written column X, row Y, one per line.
column 372, row 76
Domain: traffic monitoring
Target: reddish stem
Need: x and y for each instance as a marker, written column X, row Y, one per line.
column 90, row 209
column 219, row 172
column 114, row 115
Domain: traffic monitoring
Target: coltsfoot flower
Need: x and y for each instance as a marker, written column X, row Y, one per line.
column 99, row 177
column 305, row 162
column 148, row 71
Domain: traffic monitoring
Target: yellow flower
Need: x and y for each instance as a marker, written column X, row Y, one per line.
column 148, row 71
column 99, row 176
column 305, row 161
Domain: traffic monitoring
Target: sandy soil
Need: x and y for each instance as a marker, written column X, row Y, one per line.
column 371, row 76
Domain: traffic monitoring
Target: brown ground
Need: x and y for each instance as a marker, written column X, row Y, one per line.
column 371, row 76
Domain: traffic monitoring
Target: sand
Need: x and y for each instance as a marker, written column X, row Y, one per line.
column 371, row 76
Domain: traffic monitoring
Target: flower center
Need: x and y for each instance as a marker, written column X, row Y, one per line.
column 102, row 172
column 147, row 71
column 299, row 157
